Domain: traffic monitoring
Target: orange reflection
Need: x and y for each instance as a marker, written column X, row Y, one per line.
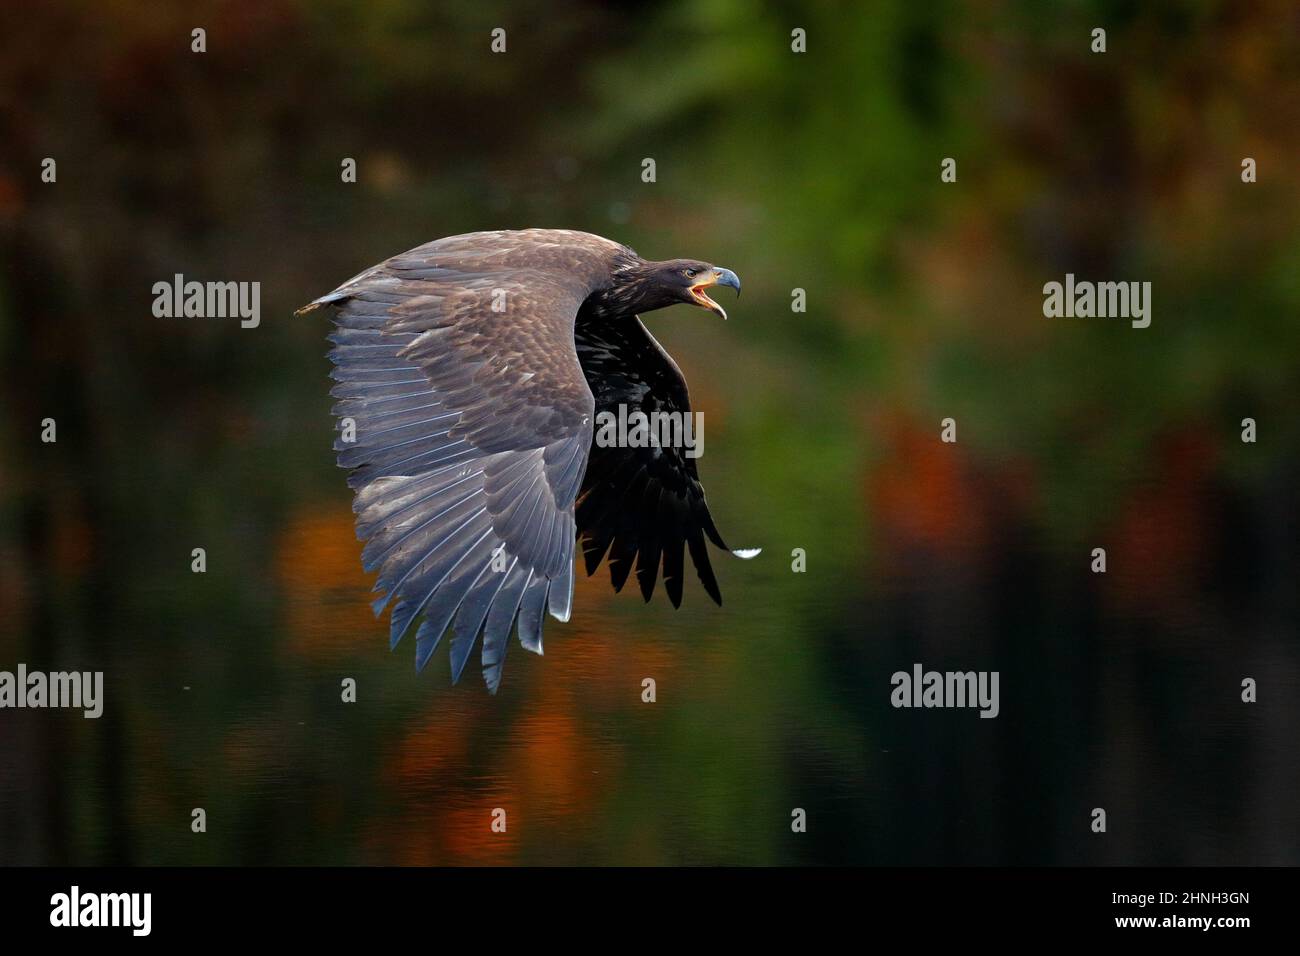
column 922, row 495
column 1158, row 555
column 326, row 593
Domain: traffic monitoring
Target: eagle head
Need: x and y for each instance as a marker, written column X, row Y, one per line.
column 688, row 280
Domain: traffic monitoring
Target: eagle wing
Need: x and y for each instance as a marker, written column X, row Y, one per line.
column 641, row 505
column 456, row 367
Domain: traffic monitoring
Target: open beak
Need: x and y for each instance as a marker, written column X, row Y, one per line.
column 712, row 278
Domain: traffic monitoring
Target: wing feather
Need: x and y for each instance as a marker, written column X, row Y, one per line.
column 459, row 384
column 640, row 508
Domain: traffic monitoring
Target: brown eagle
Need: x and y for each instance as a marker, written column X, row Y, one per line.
column 470, row 373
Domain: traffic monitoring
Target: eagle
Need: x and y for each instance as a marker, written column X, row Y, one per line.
column 470, row 373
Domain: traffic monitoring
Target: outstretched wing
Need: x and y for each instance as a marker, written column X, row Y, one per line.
column 456, row 368
column 643, row 506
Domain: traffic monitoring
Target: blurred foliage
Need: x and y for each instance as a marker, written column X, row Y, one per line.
column 817, row 171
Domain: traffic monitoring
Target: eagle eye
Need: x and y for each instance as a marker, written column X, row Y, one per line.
column 690, row 273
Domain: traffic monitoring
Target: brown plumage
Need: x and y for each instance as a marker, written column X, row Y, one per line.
column 473, row 369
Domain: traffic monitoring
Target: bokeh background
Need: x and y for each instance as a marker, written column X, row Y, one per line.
column 816, row 171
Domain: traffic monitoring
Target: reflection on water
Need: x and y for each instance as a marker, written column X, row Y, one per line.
column 1119, row 692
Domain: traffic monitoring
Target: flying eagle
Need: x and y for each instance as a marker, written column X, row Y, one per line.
column 471, row 370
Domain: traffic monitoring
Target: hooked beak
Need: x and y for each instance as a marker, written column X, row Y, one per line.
column 715, row 277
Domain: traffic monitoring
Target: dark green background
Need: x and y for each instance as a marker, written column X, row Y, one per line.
column 817, row 171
